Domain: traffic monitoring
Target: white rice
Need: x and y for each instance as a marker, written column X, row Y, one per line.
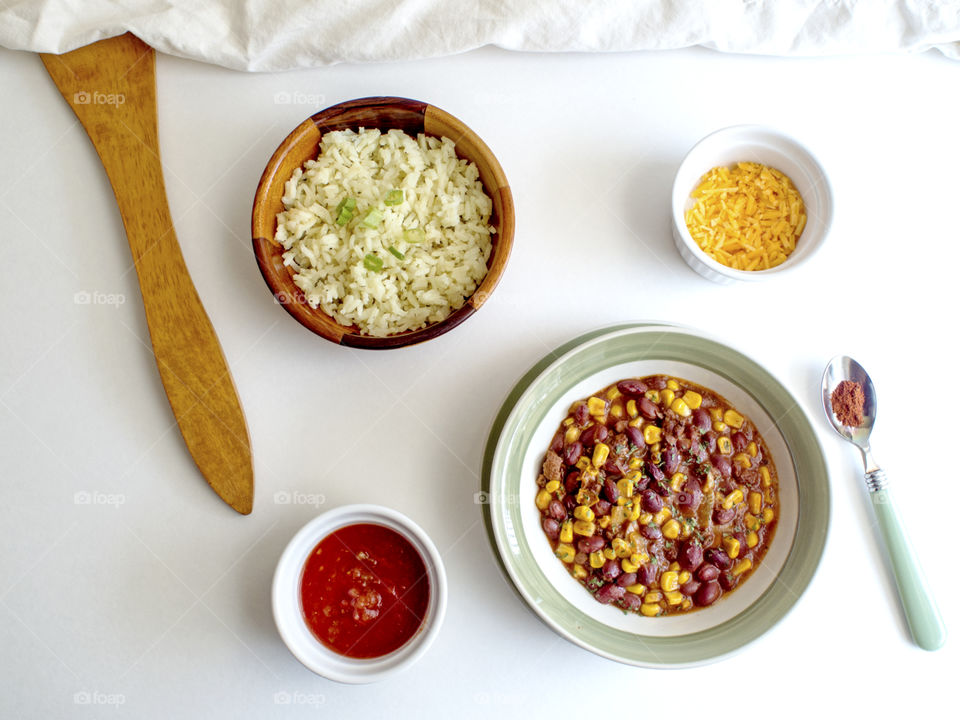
column 442, row 195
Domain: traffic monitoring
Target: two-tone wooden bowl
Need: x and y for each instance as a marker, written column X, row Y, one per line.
column 385, row 113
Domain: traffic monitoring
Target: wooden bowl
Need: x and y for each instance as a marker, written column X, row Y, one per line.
column 385, row 113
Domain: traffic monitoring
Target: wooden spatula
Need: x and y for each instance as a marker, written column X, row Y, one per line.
column 111, row 86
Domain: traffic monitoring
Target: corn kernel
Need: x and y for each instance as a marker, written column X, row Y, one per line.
column 567, row 422
column 646, row 518
column 609, row 554
column 622, row 500
column 579, row 572
column 752, row 539
column 765, row 476
column 654, row 597
column 582, row 512
column 681, row 408
column 720, row 426
column 684, row 577
column 566, row 531
column 543, row 499
column 673, row 384
column 692, row 399
column 566, row 553
column 632, row 408
column 637, row 588
column 675, row 566
column 651, row 434
column 674, row 597
column 601, row 452
column 635, row 463
column 742, row 459
column 677, row 481
column 752, row 449
column 633, row 513
column 669, row 581
column 652, row 395
column 666, row 397
column 597, row 559
column 767, row 515
column 583, row 463
column 732, row 499
column 708, row 482
column 733, row 419
column 655, row 453
column 649, row 610
column 639, row 558
column 625, row 487
column 686, row 604
column 723, row 445
column 596, row 407
column 587, row 497
column 628, row 567
column 686, row 530
column 571, row 435
column 716, row 414
column 636, row 422
column 755, row 500
column 750, row 522
column 732, row 546
column 584, row 527
column 662, row 515
column 604, row 522
column 741, row 567
column 616, row 411
column 552, row 486
column 613, row 393
column 620, row 547
column 671, row 529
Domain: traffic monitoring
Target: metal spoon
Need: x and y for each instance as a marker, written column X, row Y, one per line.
column 923, row 617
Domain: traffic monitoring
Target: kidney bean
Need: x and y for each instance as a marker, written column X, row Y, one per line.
column 651, row 532
column 657, row 382
column 739, row 441
column 581, row 414
column 655, row 473
column 636, row 437
column 651, row 501
column 569, row 502
column 631, row 601
column 707, row 593
column 594, row 434
column 706, row 573
column 671, row 460
column 572, row 482
column 572, row 453
column 701, row 419
column 631, row 387
column 627, row 579
column 601, row 508
column 613, row 469
column 611, row 570
column 699, row 454
column 691, row 556
column 610, row 491
column 718, row 557
column 556, row 445
column 556, row 510
column 648, row 409
column 728, row 581
column 722, row 516
column 722, row 464
column 552, row 528
column 690, row 587
column 609, row 593
column 646, row 574
column 590, row 544
column 710, row 441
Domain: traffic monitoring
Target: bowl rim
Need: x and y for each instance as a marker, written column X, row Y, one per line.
column 398, row 112
column 288, row 616
column 679, row 196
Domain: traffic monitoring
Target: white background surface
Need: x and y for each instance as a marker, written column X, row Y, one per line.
column 156, row 595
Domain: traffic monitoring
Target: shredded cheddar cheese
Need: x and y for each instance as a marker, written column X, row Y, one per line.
column 748, row 217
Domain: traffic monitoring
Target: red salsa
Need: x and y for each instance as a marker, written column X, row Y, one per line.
column 364, row 591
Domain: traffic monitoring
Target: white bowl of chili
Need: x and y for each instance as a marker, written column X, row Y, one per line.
column 749, row 235
column 359, row 593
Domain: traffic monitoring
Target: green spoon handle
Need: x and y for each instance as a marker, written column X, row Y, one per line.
column 923, row 617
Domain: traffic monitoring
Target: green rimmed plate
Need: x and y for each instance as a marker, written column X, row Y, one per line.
column 522, row 432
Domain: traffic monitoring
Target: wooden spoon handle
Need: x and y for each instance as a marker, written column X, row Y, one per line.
column 111, row 86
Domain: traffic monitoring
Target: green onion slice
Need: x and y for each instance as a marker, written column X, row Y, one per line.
column 372, row 218
column 414, row 235
column 372, row 263
column 394, row 197
column 345, row 210
column 396, row 253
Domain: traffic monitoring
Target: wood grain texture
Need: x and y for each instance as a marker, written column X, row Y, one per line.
column 111, row 86
column 386, row 113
